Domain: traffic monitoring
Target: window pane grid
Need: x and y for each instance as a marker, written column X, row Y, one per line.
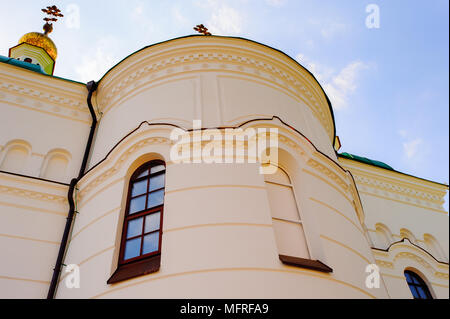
column 136, row 206
column 418, row 288
column 144, row 210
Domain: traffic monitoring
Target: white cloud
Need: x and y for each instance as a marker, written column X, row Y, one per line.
column 412, row 147
column 340, row 85
column 276, row 3
column 344, row 84
column 225, row 20
column 95, row 63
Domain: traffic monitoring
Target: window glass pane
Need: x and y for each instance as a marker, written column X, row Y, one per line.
column 408, row 277
column 156, row 169
column 137, row 204
column 151, row 243
column 155, row 198
column 139, row 188
column 132, row 248
column 415, row 279
column 152, row 222
column 414, row 292
column 144, row 173
column 134, row 227
column 157, row 182
column 422, row 293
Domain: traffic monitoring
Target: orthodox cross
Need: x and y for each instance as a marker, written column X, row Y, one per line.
column 202, row 29
column 53, row 13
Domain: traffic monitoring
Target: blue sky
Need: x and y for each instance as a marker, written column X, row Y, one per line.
column 388, row 86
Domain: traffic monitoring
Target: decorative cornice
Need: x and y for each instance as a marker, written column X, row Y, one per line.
column 32, row 194
column 405, row 189
column 424, row 263
column 384, row 264
column 328, row 173
column 48, row 98
column 406, row 250
column 153, row 64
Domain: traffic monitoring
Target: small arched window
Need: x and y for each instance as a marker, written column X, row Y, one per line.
column 28, row 60
column 418, row 287
column 287, row 222
column 140, row 249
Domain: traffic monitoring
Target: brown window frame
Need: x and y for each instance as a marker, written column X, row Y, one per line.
column 150, row 262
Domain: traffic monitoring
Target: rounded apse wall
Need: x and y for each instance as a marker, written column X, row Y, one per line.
column 221, row 81
column 218, row 238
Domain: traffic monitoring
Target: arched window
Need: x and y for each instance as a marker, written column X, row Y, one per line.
column 142, row 230
column 16, row 157
column 287, row 222
column 417, row 286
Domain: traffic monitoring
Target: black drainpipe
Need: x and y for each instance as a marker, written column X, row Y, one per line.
column 91, row 86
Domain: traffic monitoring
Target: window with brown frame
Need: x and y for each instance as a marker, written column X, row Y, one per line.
column 140, row 249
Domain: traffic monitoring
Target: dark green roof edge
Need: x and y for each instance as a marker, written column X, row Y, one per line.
column 239, row 38
column 382, row 165
column 366, row 161
column 32, row 67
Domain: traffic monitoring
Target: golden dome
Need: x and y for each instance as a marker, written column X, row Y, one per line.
column 42, row 41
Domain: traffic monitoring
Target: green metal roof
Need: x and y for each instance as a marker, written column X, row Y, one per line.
column 22, row 64
column 366, row 161
column 32, row 67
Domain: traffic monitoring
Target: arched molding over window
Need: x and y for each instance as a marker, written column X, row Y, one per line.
column 384, row 236
column 403, row 255
column 55, row 165
column 434, row 247
column 15, row 156
column 417, row 284
column 405, row 233
column 141, row 236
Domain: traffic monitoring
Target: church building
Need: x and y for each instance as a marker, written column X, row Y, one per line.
column 93, row 203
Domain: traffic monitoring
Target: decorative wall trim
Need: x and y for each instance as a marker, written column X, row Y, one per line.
column 384, row 184
column 32, row 194
column 220, row 54
column 31, row 93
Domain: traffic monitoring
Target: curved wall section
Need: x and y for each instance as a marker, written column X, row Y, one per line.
column 222, row 81
column 218, row 239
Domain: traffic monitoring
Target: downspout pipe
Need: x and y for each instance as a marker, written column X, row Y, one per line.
column 91, row 86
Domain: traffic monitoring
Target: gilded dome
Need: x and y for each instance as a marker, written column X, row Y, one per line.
column 42, row 41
